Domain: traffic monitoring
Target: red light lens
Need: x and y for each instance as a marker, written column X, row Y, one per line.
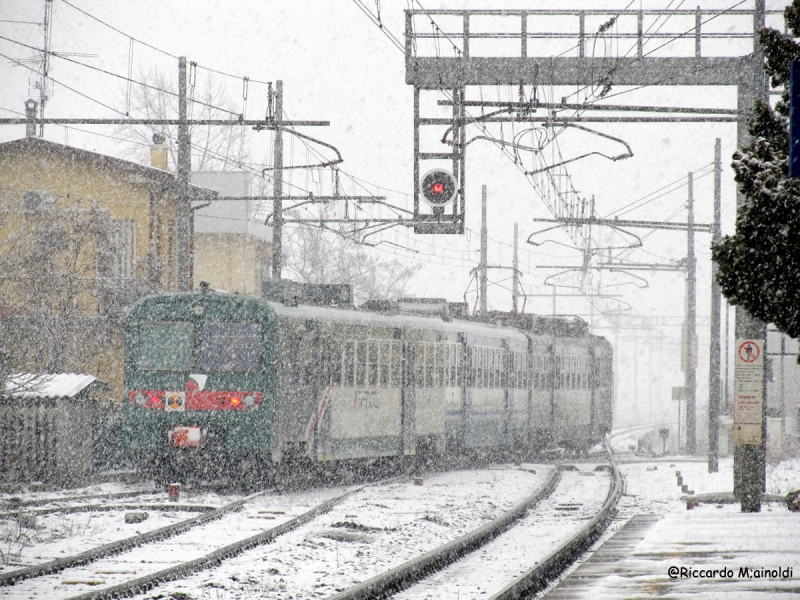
column 438, row 188
column 153, row 399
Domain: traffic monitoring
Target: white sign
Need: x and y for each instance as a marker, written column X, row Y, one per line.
column 748, row 391
column 748, row 434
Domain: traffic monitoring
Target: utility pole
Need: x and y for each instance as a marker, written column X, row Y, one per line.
column 690, row 375
column 515, row 266
column 749, row 455
column 715, row 349
column 484, row 251
column 43, row 90
column 277, row 185
column 184, row 171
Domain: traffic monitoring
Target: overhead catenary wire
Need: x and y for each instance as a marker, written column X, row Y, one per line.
column 122, row 77
column 152, row 47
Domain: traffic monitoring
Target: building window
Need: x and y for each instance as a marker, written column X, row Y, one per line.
column 122, row 241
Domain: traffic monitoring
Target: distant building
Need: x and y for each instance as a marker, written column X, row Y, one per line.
column 42, row 181
column 232, row 250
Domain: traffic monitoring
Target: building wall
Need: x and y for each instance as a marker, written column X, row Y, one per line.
column 231, row 261
column 133, row 195
column 232, row 248
column 76, row 183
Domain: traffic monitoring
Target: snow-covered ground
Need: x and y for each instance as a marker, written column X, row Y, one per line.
column 651, row 488
column 578, row 497
column 373, row 530
column 257, row 515
column 59, row 535
column 370, row 532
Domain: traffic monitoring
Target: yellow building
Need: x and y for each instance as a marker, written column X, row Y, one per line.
column 232, row 249
column 47, row 181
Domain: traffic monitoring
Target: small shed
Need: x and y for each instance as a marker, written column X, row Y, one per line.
column 53, row 426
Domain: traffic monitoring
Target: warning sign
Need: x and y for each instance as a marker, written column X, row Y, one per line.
column 748, row 391
column 750, row 352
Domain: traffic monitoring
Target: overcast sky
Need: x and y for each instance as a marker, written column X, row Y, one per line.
column 337, row 65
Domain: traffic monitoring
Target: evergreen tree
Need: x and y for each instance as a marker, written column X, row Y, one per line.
column 759, row 266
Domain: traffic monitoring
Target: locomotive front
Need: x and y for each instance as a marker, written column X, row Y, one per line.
column 199, row 381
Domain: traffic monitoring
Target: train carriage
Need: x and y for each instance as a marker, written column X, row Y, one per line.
column 228, row 381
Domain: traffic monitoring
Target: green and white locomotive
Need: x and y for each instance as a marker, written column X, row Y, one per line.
column 233, row 382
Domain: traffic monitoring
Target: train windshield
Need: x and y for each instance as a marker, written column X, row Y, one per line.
column 231, row 347
column 165, row 346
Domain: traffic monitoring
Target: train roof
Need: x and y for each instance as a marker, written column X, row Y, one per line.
column 368, row 318
column 505, row 328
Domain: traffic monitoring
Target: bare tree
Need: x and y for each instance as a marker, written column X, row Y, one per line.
column 315, row 255
column 58, row 309
column 214, row 148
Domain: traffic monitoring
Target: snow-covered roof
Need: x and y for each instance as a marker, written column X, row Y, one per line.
column 108, row 164
column 372, row 319
column 47, row 385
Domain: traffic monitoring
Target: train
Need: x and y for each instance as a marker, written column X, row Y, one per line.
column 240, row 383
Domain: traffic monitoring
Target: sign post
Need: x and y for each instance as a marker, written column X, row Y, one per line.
column 748, row 415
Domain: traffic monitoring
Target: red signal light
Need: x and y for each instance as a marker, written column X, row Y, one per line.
column 154, row 399
column 438, row 187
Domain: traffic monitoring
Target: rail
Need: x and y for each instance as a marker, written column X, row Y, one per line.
column 148, row 582
column 81, row 508
column 540, row 576
column 416, row 569
column 13, row 504
column 118, row 546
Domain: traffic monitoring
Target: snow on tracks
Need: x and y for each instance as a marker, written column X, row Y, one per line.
column 42, row 575
column 374, row 530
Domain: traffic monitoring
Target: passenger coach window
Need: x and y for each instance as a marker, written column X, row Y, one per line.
column 370, row 363
column 231, row 347
column 165, row 346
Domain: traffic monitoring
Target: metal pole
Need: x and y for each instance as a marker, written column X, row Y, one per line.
column 184, row 169
column 277, row 184
column 727, row 361
column 515, row 267
column 749, row 461
column 783, row 392
column 715, row 350
column 691, row 328
column 43, row 91
column 484, row 243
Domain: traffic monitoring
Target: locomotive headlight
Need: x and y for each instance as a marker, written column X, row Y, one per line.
column 249, row 401
column 139, row 399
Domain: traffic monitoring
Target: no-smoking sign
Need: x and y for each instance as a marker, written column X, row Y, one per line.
column 749, row 352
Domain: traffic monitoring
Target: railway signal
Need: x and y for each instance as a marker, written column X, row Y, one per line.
column 438, row 187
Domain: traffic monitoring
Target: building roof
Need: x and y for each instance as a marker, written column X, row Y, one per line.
column 136, row 173
column 47, row 385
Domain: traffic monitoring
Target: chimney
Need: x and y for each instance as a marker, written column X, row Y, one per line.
column 30, row 117
column 158, row 152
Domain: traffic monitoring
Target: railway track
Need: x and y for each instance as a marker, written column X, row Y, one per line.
column 372, row 531
column 94, row 554
column 83, row 508
column 12, row 504
column 565, row 503
column 519, row 553
column 136, row 564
